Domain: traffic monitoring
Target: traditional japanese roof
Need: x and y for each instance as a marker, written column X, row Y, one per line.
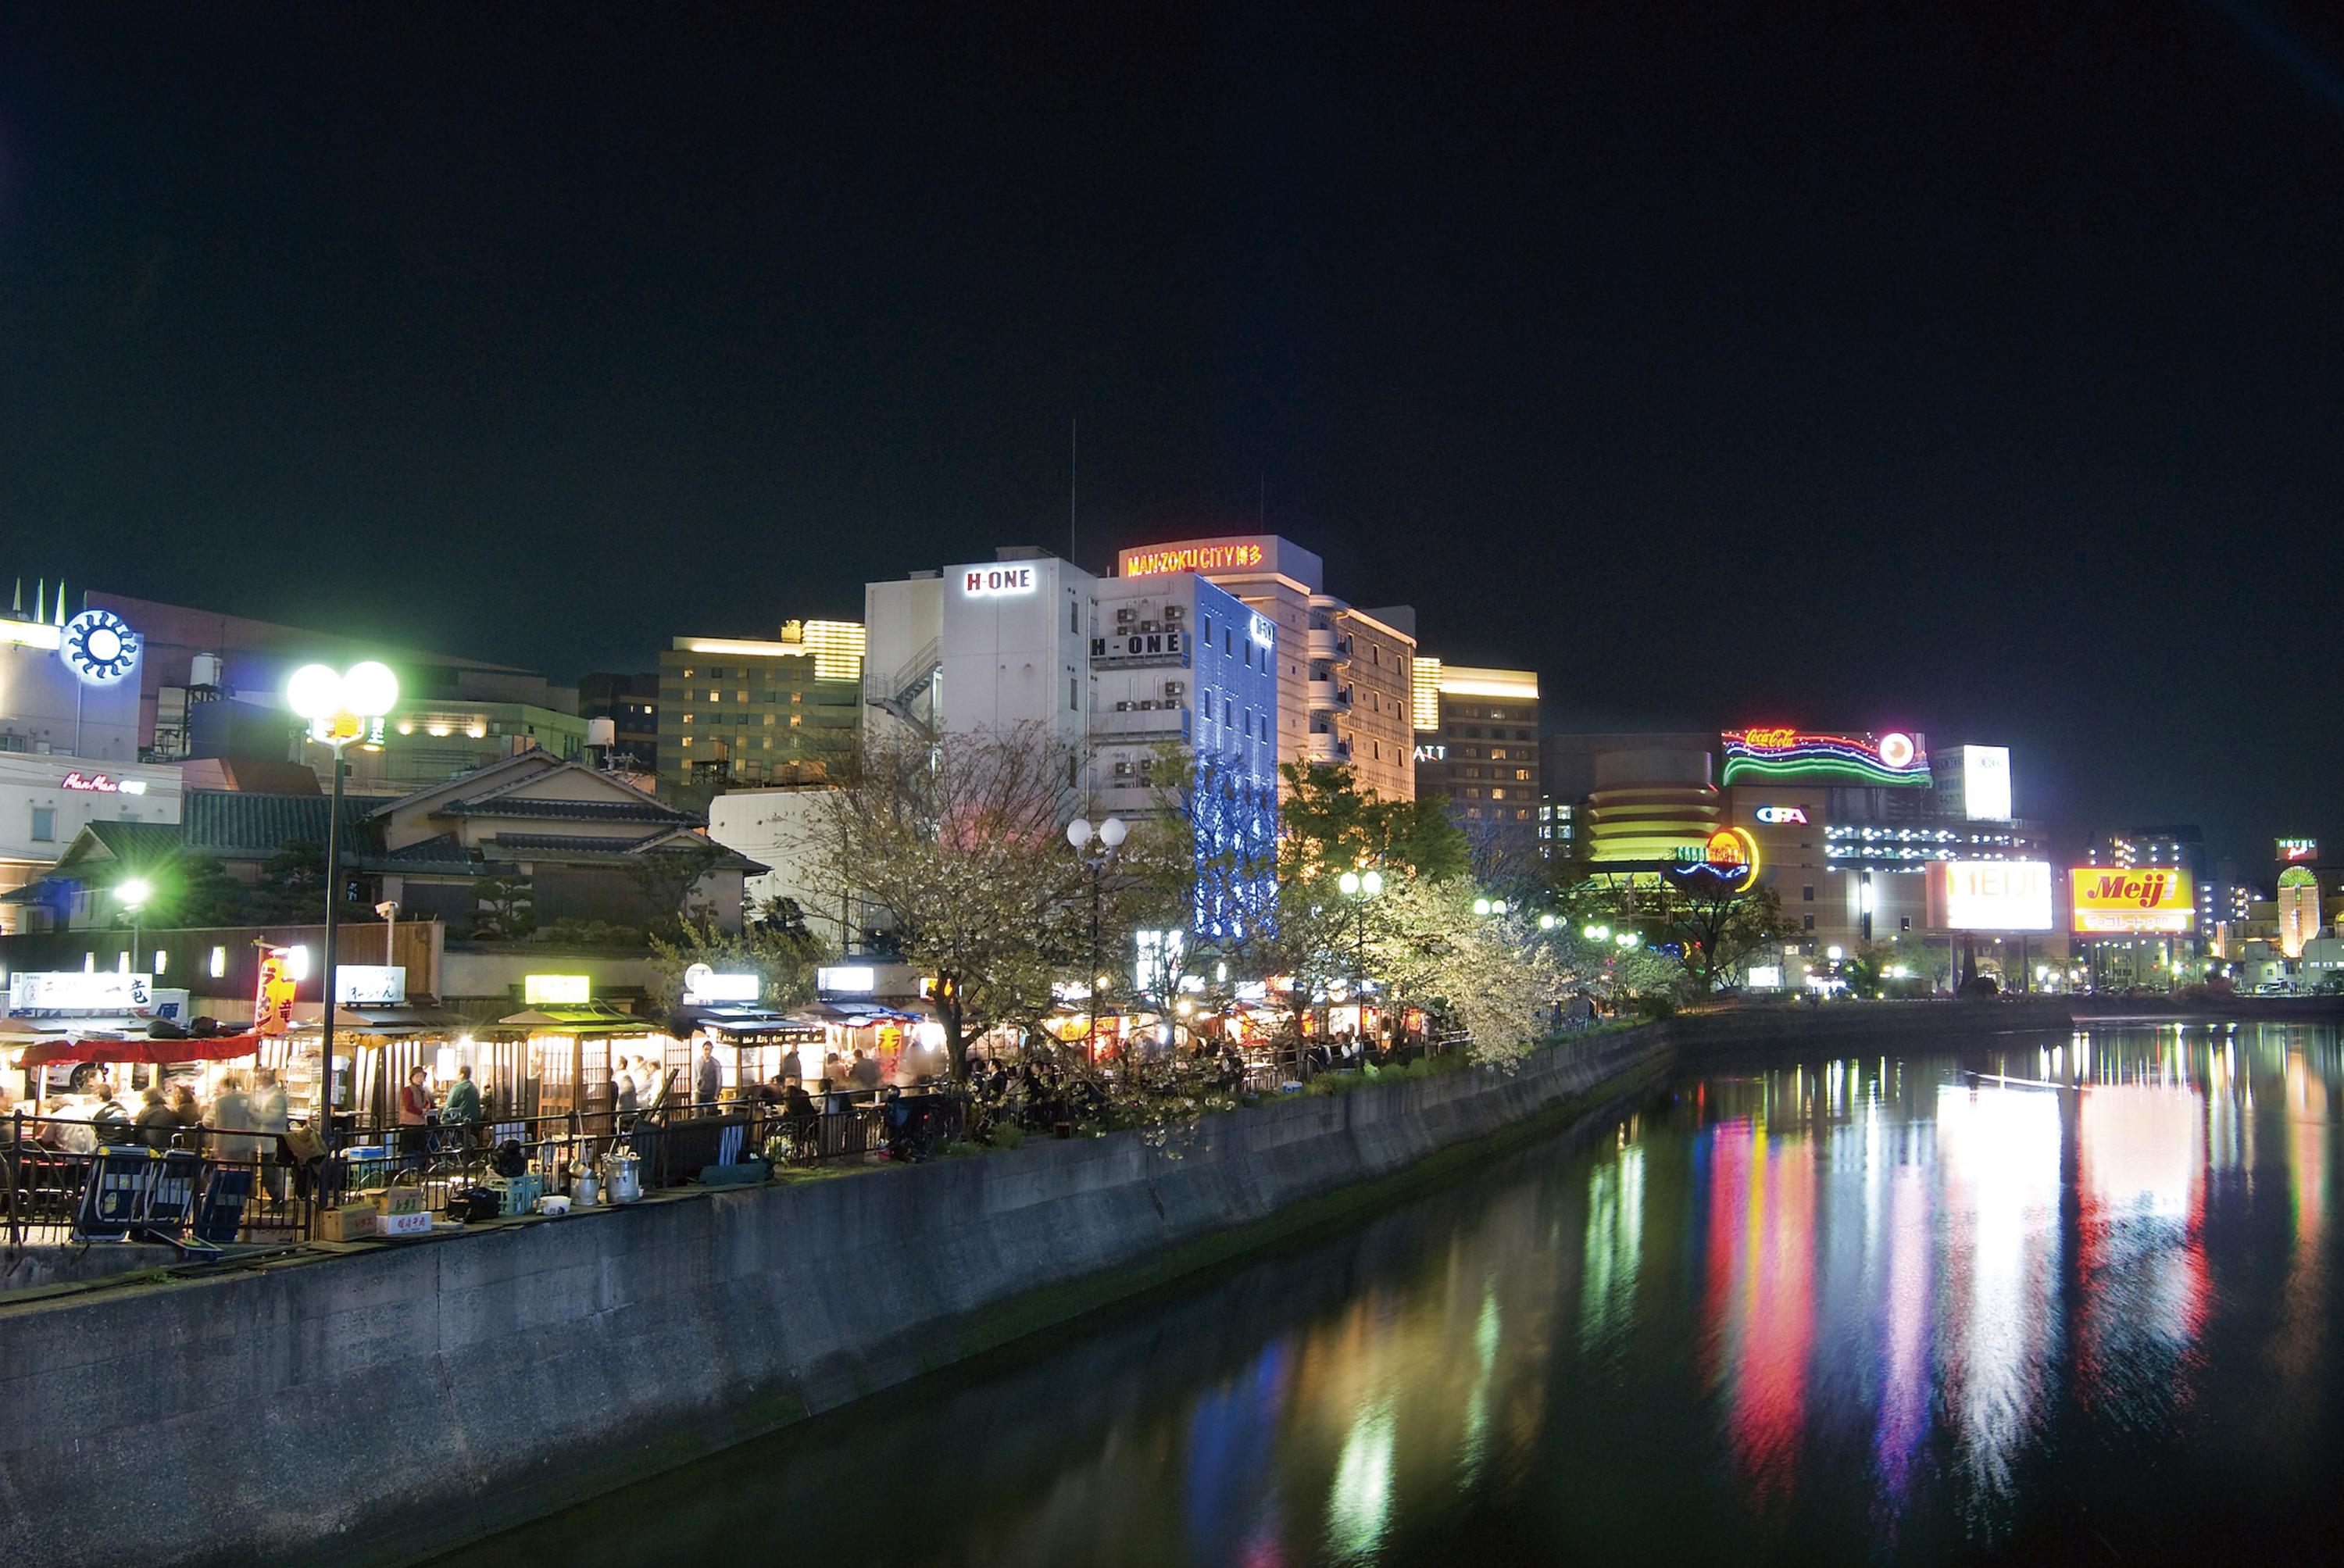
column 236, row 825
column 506, row 804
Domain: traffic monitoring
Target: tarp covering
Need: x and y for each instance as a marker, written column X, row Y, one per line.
column 214, row 1049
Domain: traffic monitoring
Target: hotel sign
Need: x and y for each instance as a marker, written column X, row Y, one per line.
column 991, row 582
column 1234, row 555
column 2105, row 900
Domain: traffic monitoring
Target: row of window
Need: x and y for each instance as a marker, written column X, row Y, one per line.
column 1520, row 775
column 796, row 720
column 1474, row 732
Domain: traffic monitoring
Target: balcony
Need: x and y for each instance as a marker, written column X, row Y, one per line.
column 1329, row 697
column 1326, row 746
column 1327, row 645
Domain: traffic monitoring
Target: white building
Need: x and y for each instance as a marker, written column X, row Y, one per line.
column 775, row 827
column 68, row 737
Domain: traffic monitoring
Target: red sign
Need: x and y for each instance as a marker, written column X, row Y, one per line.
column 97, row 783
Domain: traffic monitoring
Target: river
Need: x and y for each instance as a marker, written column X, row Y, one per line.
column 1865, row 1309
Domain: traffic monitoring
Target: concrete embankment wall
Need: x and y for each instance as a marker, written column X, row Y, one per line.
column 384, row 1405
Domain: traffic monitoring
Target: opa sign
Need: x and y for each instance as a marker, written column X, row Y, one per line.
column 983, row 582
column 1782, row 814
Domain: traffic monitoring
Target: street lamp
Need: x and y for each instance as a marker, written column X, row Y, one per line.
column 132, row 893
column 1109, row 835
column 341, row 708
column 1359, row 886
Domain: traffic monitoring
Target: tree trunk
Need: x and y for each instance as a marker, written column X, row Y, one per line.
column 955, row 1042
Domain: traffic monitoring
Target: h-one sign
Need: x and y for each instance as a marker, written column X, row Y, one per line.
column 984, row 582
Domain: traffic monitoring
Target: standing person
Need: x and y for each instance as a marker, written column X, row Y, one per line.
column 232, row 1123
column 624, row 1100
column 708, row 1085
column 463, row 1111
column 414, row 1115
column 156, row 1122
column 270, row 1118
column 865, row 1070
column 182, row 1101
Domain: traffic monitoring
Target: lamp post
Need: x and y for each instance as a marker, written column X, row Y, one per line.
column 1108, row 836
column 132, row 893
column 340, row 707
column 1359, row 886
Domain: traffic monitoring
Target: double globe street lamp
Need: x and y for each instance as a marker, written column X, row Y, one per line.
column 1109, row 836
column 341, row 707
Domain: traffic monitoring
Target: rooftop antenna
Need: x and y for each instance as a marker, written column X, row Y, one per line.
column 17, row 606
column 1074, row 473
column 41, row 600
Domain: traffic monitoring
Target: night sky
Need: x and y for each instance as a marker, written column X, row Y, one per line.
column 1970, row 368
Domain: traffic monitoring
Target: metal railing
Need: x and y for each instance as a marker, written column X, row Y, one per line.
column 47, row 1163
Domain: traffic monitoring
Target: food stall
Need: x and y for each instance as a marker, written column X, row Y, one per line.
column 567, row 1052
column 753, row 1044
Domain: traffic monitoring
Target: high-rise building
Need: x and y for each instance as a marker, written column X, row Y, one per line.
column 753, row 711
column 1346, row 690
column 1477, row 745
column 631, row 704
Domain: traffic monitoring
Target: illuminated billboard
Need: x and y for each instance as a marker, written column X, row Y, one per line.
column 1894, row 759
column 1985, row 782
column 2295, row 851
column 1989, row 894
column 2130, row 900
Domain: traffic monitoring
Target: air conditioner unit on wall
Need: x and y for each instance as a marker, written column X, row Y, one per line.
column 1126, row 612
column 1175, row 688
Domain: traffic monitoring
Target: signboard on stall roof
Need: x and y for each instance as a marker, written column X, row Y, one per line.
column 370, row 984
column 80, row 991
column 704, row 986
column 557, row 990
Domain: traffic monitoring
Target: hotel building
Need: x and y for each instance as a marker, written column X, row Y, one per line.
column 1477, row 744
column 739, row 711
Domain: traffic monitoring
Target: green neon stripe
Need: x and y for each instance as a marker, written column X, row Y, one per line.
column 1837, row 768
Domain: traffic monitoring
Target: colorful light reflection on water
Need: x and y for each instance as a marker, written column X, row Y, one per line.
column 2065, row 1296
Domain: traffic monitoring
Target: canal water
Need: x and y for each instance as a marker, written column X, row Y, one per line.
column 1867, row 1309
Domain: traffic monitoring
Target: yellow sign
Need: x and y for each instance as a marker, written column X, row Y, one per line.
column 1234, row 555
column 272, row 1001
column 2130, row 900
column 537, row 990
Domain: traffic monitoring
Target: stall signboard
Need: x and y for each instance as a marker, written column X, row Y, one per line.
column 370, row 984
column 272, row 997
column 704, row 986
column 2130, row 900
column 846, row 979
column 80, row 991
column 557, row 990
column 1989, row 894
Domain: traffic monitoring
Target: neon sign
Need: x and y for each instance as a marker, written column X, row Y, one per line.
column 2298, row 849
column 99, row 647
column 1192, row 558
column 1260, row 630
column 1894, row 759
column 101, row 784
column 979, row 583
column 1727, row 862
column 1781, row 813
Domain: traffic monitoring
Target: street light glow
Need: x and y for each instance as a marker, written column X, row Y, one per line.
column 134, row 892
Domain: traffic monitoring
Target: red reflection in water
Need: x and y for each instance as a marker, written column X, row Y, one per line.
column 1761, row 1295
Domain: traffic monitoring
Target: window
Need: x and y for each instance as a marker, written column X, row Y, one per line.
column 220, row 962
column 1074, row 615
column 1205, row 625
column 1809, row 924
column 715, row 696
column 1807, row 894
column 45, row 824
column 1474, row 731
column 1073, row 703
column 1521, row 775
column 796, row 720
column 1904, row 923
column 742, row 695
column 768, row 721
column 687, row 740
column 1497, row 794
column 1497, row 753
column 796, row 697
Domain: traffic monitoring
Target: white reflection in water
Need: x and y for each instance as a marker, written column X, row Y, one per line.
column 1614, row 1247
column 1999, row 1150
column 2141, row 1161
column 1359, row 1506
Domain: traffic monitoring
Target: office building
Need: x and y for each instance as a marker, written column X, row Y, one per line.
column 734, row 711
column 631, row 703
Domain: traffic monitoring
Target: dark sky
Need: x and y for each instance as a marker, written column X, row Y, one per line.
column 1970, row 368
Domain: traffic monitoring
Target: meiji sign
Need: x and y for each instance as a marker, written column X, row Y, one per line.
column 2130, row 899
column 1990, row 894
column 984, row 582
